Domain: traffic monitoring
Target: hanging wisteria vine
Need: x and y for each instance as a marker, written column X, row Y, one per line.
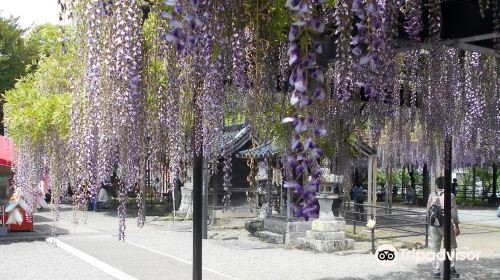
column 142, row 76
column 307, row 80
column 227, row 169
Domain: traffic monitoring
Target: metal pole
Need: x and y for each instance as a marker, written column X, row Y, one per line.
column 373, row 241
column 389, row 189
column 447, row 205
column 494, row 193
column 197, row 215
column 289, row 200
column 289, row 204
column 374, row 187
column 370, row 185
column 474, row 182
column 144, row 179
column 427, row 235
column 197, row 203
column 205, row 200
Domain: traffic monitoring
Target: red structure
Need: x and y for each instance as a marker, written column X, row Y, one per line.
column 6, row 160
column 27, row 224
column 6, row 152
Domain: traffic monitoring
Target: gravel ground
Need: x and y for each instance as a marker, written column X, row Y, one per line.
column 41, row 261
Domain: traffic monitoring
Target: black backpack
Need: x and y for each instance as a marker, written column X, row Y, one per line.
column 436, row 213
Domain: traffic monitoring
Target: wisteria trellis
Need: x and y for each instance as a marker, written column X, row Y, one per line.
column 141, row 80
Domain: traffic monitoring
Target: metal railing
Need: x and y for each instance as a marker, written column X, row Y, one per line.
column 404, row 222
column 463, row 192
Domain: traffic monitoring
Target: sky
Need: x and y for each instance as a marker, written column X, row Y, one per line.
column 31, row 11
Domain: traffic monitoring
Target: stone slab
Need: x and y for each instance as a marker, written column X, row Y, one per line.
column 328, row 226
column 326, row 246
column 292, row 236
column 282, row 226
column 270, row 237
column 320, row 235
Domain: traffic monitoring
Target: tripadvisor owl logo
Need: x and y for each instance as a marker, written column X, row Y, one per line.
column 386, row 255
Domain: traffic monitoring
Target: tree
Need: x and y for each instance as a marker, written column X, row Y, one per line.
column 14, row 56
column 38, row 105
column 44, row 40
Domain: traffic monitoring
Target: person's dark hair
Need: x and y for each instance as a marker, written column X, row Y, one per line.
column 440, row 182
column 454, row 180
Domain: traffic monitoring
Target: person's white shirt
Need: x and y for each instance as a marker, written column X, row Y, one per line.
column 103, row 195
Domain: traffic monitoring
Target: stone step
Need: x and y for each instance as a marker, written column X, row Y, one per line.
column 270, row 237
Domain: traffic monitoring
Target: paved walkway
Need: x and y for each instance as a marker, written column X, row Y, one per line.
column 39, row 260
column 134, row 260
column 162, row 250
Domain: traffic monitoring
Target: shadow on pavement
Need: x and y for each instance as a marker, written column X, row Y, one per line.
column 480, row 269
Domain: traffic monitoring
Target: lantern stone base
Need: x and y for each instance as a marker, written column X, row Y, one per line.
column 326, row 236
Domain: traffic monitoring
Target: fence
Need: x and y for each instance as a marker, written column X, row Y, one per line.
column 463, row 192
column 404, row 222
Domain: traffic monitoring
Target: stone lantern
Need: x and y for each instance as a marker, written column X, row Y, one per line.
column 327, row 233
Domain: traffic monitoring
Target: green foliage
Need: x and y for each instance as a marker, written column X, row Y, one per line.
column 45, row 40
column 30, row 115
column 14, row 53
column 381, row 177
column 39, row 104
column 400, row 176
column 484, row 175
column 14, row 56
column 268, row 122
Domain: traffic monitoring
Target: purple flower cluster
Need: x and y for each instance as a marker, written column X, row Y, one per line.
column 184, row 23
column 413, row 20
column 434, row 20
column 342, row 79
column 307, row 80
column 369, row 36
column 107, row 110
